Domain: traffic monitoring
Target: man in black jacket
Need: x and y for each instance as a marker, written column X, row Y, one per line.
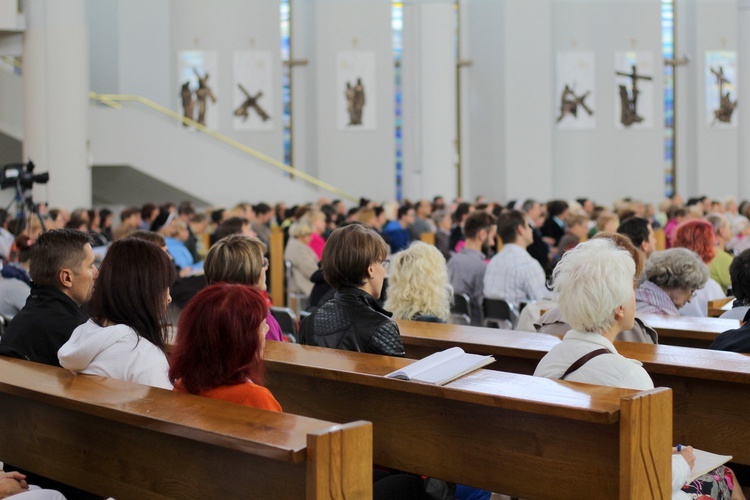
column 62, row 272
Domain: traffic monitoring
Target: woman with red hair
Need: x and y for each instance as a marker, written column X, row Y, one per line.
column 698, row 235
column 219, row 348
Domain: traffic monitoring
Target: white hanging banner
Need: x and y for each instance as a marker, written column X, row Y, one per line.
column 252, row 90
column 634, row 90
column 197, row 79
column 575, row 91
column 721, row 89
column 356, row 91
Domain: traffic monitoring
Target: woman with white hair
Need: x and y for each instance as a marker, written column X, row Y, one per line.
column 593, row 285
column 418, row 286
column 672, row 276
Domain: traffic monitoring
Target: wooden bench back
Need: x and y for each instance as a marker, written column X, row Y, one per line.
column 125, row 440
column 489, row 429
column 687, row 331
column 711, row 389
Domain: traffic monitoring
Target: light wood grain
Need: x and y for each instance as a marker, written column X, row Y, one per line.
column 114, row 438
column 487, row 429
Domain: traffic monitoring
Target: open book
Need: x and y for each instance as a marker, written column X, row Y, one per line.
column 706, row 462
column 442, row 367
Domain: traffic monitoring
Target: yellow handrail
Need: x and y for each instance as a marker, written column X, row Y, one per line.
column 13, row 61
column 113, row 100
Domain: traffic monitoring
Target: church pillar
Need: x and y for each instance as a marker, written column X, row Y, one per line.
column 56, row 81
column 743, row 66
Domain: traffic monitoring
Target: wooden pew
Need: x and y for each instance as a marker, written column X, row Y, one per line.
column 711, row 389
column 715, row 306
column 524, row 436
column 115, row 438
column 661, row 239
column 687, row 331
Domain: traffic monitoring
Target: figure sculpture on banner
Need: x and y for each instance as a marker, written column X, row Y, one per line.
column 629, row 102
column 726, row 106
column 251, row 102
column 188, row 105
column 569, row 103
column 355, row 98
column 203, row 92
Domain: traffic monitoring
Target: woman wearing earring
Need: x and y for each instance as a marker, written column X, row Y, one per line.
column 353, row 320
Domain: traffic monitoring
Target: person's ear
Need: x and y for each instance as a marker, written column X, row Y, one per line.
column 619, row 313
column 370, row 272
column 65, row 277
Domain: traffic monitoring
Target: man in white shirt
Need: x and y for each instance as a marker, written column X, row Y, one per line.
column 513, row 275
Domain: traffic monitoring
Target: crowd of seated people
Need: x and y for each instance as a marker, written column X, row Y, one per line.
column 202, row 257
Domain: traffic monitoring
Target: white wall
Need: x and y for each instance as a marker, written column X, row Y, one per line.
column 188, row 160
column 708, row 158
column 360, row 162
column 428, row 72
column 608, row 163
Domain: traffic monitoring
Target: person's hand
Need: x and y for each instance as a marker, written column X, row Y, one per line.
column 12, row 483
column 687, row 454
column 185, row 272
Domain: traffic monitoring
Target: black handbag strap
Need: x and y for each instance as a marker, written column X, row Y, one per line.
column 583, row 360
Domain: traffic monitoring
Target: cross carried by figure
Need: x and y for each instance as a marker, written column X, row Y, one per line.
column 629, row 104
column 251, row 102
column 570, row 102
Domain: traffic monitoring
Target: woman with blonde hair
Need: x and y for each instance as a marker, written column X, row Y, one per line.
column 418, row 285
column 238, row 259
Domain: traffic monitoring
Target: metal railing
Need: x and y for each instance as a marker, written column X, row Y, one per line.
column 115, row 100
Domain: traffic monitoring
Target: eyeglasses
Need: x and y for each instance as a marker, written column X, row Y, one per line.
column 265, row 263
column 386, row 263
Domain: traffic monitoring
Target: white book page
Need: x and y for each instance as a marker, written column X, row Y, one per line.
column 431, row 361
column 453, row 368
column 705, row 462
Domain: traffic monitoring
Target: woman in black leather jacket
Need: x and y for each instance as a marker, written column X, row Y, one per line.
column 354, row 264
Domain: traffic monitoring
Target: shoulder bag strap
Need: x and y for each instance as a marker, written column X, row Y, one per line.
column 583, row 360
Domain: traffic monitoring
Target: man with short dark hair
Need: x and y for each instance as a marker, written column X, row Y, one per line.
column 467, row 268
column 63, row 272
column 396, row 233
column 130, row 219
column 422, row 222
column 640, row 232
column 262, row 223
column 513, row 275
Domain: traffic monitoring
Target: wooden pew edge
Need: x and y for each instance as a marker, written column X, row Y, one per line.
column 492, row 399
column 645, row 447
column 155, row 421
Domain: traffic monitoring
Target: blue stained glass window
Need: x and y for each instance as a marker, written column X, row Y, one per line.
column 286, row 76
column 397, row 25
column 667, row 37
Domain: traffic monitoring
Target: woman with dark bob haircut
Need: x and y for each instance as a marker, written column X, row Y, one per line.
column 219, row 349
column 125, row 336
column 239, row 259
column 354, row 264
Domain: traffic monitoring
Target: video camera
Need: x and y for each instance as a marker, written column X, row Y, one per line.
column 21, row 175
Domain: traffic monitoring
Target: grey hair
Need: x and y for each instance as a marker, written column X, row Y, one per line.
column 676, row 268
column 591, row 281
column 717, row 221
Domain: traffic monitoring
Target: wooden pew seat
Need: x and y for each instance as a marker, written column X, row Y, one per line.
column 125, row 440
column 711, row 389
column 524, row 436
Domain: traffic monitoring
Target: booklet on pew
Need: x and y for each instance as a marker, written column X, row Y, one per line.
column 705, row 462
column 442, row 367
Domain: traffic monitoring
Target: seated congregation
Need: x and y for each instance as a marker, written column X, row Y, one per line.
column 96, row 300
